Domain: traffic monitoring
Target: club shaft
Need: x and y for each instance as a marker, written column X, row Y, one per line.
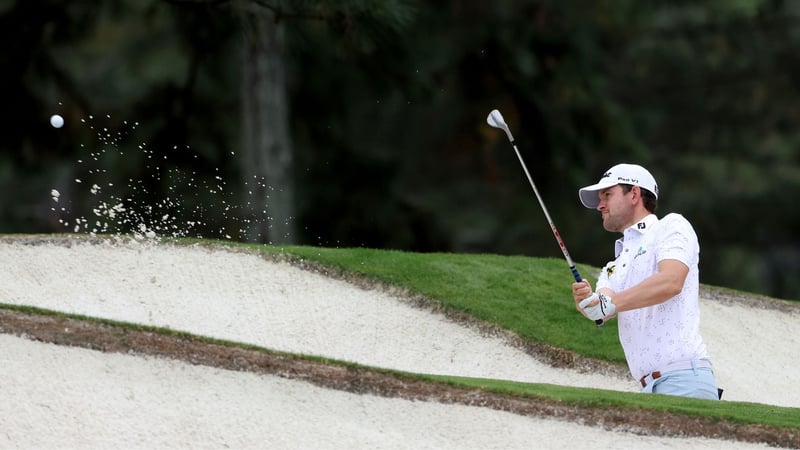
column 547, row 215
column 560, row 241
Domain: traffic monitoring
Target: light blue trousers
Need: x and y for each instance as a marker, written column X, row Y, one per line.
column 697, row 383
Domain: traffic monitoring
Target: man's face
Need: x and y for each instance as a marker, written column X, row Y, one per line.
column 616, row 208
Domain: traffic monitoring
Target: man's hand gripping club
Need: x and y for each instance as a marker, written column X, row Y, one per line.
column 593, row 305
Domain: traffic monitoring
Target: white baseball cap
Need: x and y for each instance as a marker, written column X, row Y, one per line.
column 619, row 174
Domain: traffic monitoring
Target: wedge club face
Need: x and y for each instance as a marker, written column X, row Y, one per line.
column 495, row 119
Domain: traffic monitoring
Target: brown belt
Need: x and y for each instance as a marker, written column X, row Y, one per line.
column 679, row 365
column 656, row 375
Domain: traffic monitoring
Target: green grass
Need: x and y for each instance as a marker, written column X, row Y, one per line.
column 737, row 412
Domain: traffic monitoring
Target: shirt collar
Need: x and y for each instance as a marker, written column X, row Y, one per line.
column 641, row 227
column 645, row 224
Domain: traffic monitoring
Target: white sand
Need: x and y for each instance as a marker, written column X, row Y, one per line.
column 67, row 397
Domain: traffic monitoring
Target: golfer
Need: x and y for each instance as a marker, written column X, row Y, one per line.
column 651, row 286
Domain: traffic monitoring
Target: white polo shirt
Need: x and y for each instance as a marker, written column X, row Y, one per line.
column 655, row 336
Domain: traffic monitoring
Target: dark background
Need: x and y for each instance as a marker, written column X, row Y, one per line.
column 363, row 123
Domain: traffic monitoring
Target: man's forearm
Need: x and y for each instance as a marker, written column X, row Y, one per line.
column 658, row 288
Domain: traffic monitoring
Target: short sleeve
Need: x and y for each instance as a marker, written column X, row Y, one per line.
column 678, row 240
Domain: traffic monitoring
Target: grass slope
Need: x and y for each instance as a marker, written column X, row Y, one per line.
column 529, row 296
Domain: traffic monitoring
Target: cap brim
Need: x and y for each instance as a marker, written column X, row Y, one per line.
column 588, row 194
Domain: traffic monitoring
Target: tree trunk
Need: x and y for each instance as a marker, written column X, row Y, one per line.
column 266, row 154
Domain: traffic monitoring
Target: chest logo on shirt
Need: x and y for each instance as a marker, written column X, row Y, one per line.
column 639, row 252
column 610, row 270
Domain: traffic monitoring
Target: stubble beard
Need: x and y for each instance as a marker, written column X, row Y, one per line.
column 612, row 223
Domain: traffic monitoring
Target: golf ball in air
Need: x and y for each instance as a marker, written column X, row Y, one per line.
column 56, row 121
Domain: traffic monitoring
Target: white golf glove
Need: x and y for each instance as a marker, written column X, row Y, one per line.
column 604, row 307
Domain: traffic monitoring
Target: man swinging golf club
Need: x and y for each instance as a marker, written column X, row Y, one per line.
column 651, row 287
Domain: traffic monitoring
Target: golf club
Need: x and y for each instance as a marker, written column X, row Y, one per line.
column 495, row 119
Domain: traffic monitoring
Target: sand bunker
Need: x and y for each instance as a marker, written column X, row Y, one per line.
column 81, row 398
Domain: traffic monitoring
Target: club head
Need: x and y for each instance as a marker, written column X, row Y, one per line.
column 495, row 119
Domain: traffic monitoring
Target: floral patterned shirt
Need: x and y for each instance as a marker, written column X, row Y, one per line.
column 657, row 335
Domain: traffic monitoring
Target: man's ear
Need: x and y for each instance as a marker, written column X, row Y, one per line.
column 637, row 194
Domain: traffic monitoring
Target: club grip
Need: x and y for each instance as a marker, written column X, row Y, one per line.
column 578, row 279
column 576, row 274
